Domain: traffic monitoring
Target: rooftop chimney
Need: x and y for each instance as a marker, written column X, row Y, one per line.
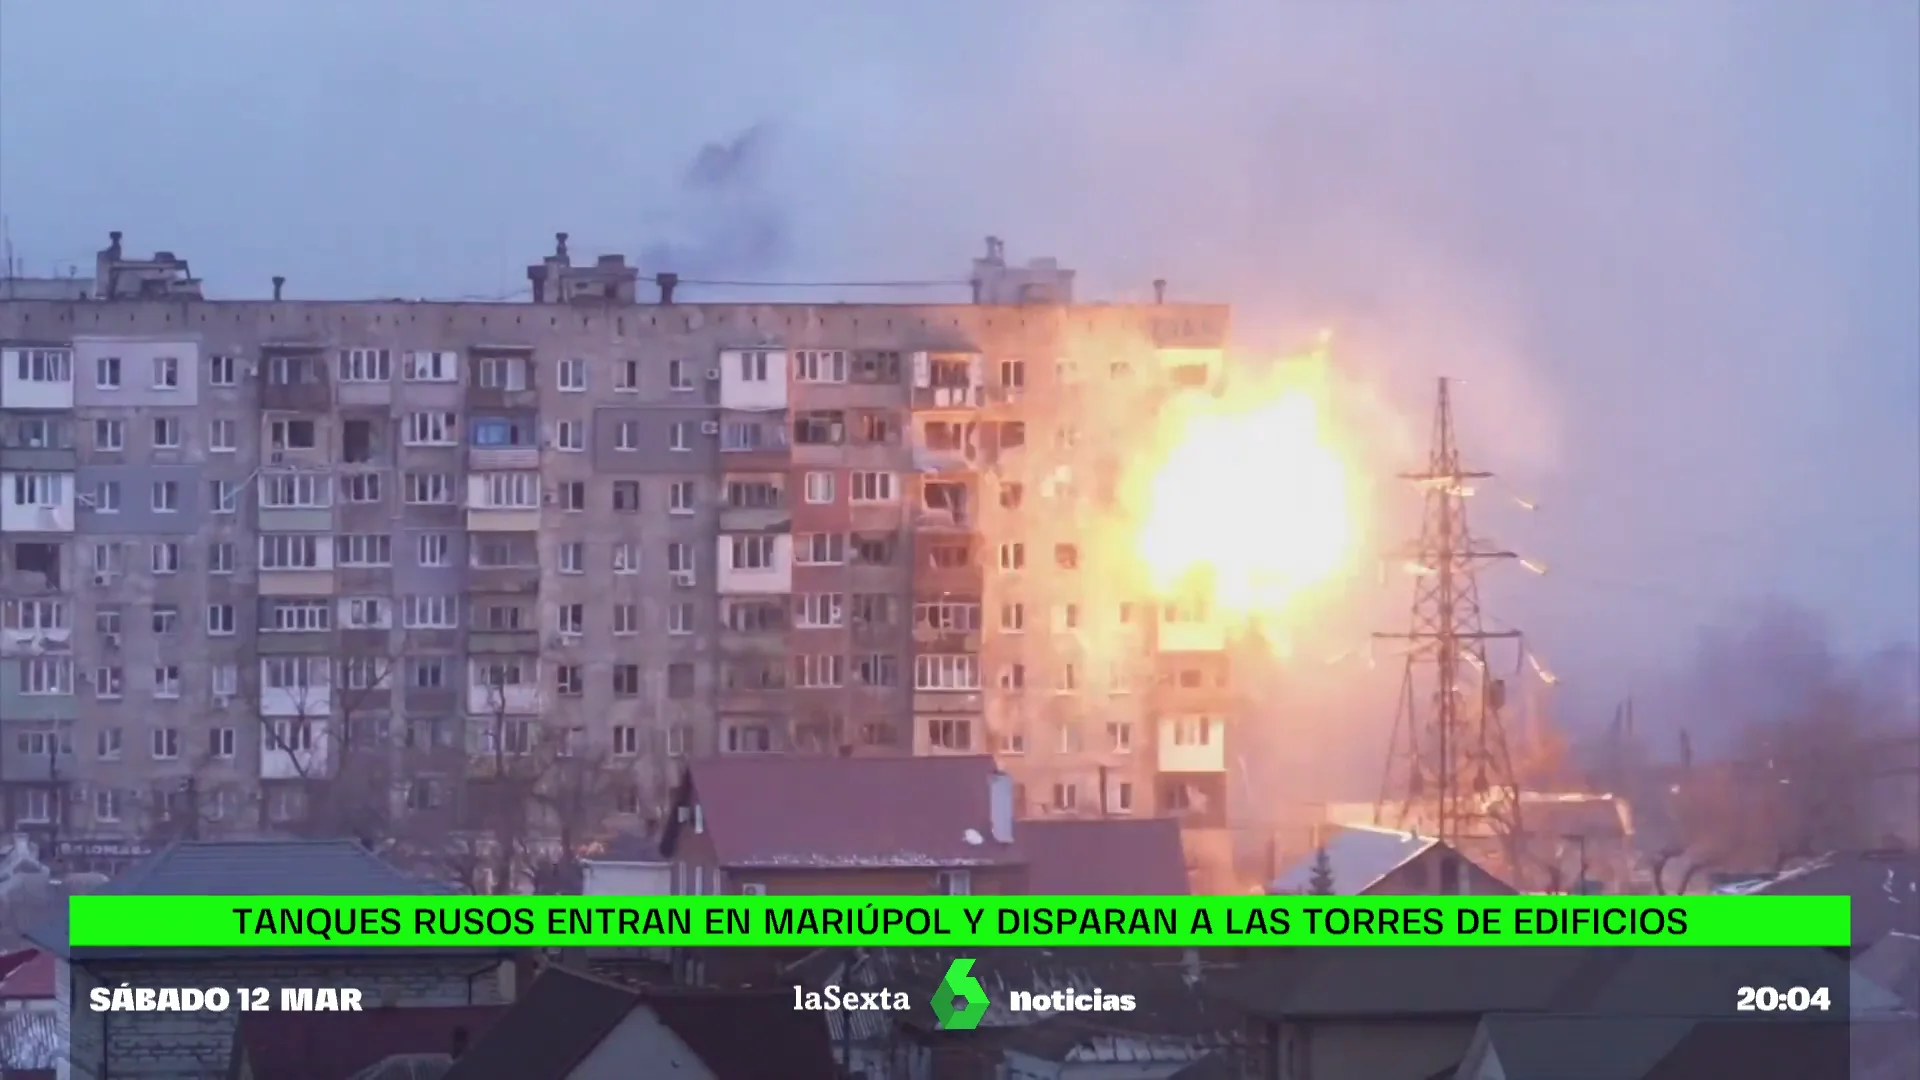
column 667, row 282
column 278, row 284
column 113, row 243
column 560, row 246
column 1000, row 807
column 1159, row 290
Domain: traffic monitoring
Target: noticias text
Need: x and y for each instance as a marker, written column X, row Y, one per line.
column 1061, row 1001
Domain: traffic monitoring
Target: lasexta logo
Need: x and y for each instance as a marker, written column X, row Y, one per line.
column 961, row 1001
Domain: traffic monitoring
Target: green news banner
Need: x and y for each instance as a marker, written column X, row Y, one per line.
column 102, row 921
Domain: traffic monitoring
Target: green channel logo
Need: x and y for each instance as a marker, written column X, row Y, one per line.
column 961, row 1001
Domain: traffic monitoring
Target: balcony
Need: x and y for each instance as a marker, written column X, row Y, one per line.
column 481, row 458
column 298, row 751
column 15, row 457
column 295, row 382
column 754, row 442
column 945, row 380
column 517, row 699
column 37, row 764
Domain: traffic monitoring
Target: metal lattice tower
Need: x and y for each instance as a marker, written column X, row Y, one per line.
column 1449, row 773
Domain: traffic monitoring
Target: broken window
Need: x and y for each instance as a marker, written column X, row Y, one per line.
column 1067, row 556
column 950, row 373
column 877, row 367
column 878, row 428
column 359, row 442
column 947, row 435
column 1013, row 433
column 873, row 550
column 950, row 555
column 37, row 559
column 945, row 497
column 1011, row 493
column 819, row 429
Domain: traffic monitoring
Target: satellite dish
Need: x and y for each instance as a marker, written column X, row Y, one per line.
column 972, row 836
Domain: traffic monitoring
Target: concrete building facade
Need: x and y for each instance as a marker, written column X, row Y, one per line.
column 254, row 547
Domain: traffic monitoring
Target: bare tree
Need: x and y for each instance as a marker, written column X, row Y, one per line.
column 335, row 744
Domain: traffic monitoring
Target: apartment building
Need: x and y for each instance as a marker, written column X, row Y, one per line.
column 254, row 549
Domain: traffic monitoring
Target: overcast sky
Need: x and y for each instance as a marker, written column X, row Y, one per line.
column 1672, row 245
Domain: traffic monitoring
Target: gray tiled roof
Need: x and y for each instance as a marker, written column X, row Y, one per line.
column 252, row 868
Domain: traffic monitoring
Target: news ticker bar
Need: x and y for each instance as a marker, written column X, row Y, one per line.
column 103, row 921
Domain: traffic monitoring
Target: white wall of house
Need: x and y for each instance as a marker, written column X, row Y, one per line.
column 642, row 1048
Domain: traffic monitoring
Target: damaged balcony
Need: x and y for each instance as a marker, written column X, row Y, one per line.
column 294, row 378
column 944, row 505
column 945, row 444
column 753, row 683
column 948, row 380
column 501, row 377
column 819, row 437
column 754, row 502
column 947, row 625
column 754, row 624
column 947, row 564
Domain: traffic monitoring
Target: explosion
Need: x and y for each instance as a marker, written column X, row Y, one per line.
column 1249, row 504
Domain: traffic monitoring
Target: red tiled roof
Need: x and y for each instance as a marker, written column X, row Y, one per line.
column 328, row 1046
column 834, row 812
column 1103, row 857
column 32, row 979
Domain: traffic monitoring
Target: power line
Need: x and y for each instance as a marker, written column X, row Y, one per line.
column 1449, row 769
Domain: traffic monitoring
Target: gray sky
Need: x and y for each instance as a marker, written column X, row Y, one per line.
column 1672, row 245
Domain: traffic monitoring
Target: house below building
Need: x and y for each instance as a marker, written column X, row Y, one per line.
column 161, row 1046
column 378, row 1044
column 572, row 1026
column 1104, row 857
column 778, row 825
column 1364, row 860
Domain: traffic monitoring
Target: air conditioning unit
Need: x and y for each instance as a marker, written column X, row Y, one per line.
column 710, row 427
column 221, row 701
column 683, row 579
column 112, row 641
column 713, row 374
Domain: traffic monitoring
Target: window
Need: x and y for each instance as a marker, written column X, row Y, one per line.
column 109, row 683
column 46, row 675
column 221, row 619
column 43, row 365
column 571, row 619
column 820, row 549
column 573, row 496
column 432, row 367
column 819, row 487
column 1013, row 374
column 166, row 496
column 429, row 489
column 626, row 619
column 109, row 435
column 818, row 671
column 297, row 616
column 366, row 365
column 1120, row 736
column 820, row 366
column 573, row 557
column 33, row 615
column 166, row 373
column 515, row 491
column 222, row 497
column 680, row 618
column 626, row 740
column 222, row 370
column 1013, row 556
column 433, row 549
column 1013, row 677
column 166, row 619
column 41, row 489
column 368, row 613
column 815, row 611
column 626, row 680
column 431, row 612
column 626, row 377
column 166, row 433
column 166, row 681
column 872, row 487
column 292, row 735
column 570, row 435
column 626, row 496
column 165, row 557
column 220, row 557
column 293, row 673
column 751, row 552
column 503, row 373
column 679, row 436
column 223, row 436
column 679, row 557
column 292, row 434
column 432, row 429
column 290, row 551
column 626, row 435
column 1066, row 556
column 572, row 376
column 222, row 742
column 744, row 738
column 947, row 617
column 946, row 671
column 363, row 549
column 164, row 743
column 1013, row 618
column 626, row 557
column 108, row 744
column 950, row 734
column 225, row 681
column 296, row 491
column 739, row 435
column 753, row 367
column 876, row 669
column 1192, row 731
column 426, row 673
column 681, row 497
column 679, row 375
column 568, row 680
